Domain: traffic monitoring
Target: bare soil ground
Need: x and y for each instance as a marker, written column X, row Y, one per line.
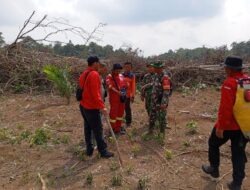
column 147, row 163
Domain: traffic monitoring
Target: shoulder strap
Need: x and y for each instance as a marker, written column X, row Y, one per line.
column 86, row 78
column 115, row 82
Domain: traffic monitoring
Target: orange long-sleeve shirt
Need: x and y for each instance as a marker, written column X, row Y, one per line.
column 92, row 98
column 130, row 80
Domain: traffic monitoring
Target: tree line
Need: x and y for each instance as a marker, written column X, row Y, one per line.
column 201, row 54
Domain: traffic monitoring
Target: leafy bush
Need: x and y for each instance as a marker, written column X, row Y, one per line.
column 168, row 154
column 25, row 134
column 40, row 137
column 192, row 127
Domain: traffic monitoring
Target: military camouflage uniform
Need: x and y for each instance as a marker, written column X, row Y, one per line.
column 160, row 95
column 146, row 91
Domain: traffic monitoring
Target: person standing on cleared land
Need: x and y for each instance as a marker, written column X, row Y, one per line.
column 91, row 107
column 159, row 99
column 130, row 79
column 147, row 86
column 227, row 127
column 117, row 96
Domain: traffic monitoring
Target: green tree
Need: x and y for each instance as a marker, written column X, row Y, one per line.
column 2, row 42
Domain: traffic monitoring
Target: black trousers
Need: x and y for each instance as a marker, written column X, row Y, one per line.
column 238, row 155
column 93, row 126
column 128, row 114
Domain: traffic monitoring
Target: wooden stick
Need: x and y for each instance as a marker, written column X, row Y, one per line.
column 224, row 176
column 116, row 143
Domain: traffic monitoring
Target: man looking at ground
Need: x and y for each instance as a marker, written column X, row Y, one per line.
column 91, row 107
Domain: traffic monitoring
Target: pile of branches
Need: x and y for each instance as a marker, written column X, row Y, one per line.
column 187, row 75
column 21, row 69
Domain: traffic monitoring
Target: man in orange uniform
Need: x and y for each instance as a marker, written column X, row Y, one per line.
column 91, row 105
column 117, row 95
column 227, row 128
column 130, row 79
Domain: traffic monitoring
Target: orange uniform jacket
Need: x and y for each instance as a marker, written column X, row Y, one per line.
column 130, row 80
column 92, row 98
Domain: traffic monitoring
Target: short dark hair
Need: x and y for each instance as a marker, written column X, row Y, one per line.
column 127, row 63
column 92, row 59
column 116, row 66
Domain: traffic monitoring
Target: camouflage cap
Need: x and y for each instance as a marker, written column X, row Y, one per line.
column 158, row 64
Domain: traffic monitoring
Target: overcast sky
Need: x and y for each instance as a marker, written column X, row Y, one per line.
column 154, row 26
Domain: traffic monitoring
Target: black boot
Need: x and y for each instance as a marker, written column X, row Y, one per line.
column 123, row 131
column 89, row 151
column 232, row 186
column 214, row 172
column 107, row 154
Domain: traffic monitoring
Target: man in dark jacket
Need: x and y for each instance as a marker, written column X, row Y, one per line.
column 227, row 128
column 91, row 107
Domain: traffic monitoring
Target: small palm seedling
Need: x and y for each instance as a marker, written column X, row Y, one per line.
column 132, row 134
column 168, row 154
column 113, row 166
column 186, row 143
column 142, row 183
column 89, row 178
column 146, row 136
column 135, row 150
column 192, row 127
column 79, row 153
column 129, row 169
column 60, row 78
column 65, row 139
column 116, row 180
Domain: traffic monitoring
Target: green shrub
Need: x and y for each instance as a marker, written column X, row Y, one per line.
column 192, row 127
column 40, row 137
column 168, row 154
column 25, row 134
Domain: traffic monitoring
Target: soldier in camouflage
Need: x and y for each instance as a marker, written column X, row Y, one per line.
column 159, row 99
column 146, row 89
